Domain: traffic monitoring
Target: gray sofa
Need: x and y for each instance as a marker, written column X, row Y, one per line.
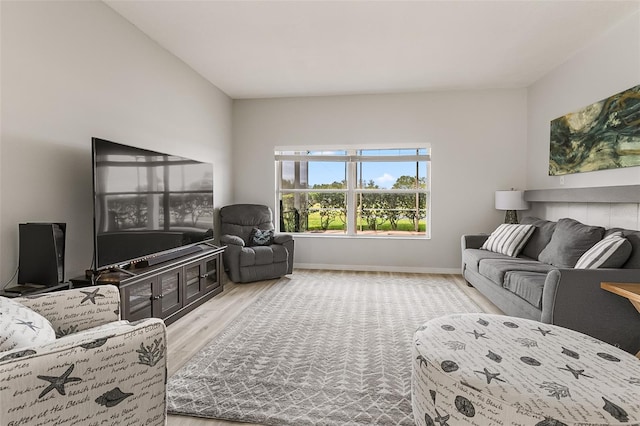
column 541, row 283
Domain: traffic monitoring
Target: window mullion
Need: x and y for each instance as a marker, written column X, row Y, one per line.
column 352, row 204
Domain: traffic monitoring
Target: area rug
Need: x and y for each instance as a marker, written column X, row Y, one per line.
column 318, row 348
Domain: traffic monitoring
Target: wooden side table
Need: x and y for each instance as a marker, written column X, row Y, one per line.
column 629, row 290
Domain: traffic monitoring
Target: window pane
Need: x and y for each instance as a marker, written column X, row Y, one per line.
column 388, row 194
column 327, row 212
column 294, row 175
column 315, row 212
column 392, row 214
column 327, row 175
column 392, row 175
column 313, row 174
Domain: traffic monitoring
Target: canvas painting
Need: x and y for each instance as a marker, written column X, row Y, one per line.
column 603, row 135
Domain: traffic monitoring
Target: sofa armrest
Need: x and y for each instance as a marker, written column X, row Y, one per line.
column 473, row 241
column 232, row 240
column 113, row 375
column 572, row 298
column 78, row 309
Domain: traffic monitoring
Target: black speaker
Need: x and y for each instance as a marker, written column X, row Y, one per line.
column 41, row 258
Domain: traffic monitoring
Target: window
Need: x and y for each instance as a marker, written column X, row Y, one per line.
column 363, row 192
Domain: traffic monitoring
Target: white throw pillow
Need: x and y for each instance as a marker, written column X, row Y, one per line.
column 21, row 327
column 610, row 252
column 509, row 239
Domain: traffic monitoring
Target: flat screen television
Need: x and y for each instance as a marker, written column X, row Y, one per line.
column 147, row 205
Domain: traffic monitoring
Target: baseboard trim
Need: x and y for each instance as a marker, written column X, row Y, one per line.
column 377, row 268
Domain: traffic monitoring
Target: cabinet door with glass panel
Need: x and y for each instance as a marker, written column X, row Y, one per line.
column 138, row 299
column 169, row 295
column 201, row 277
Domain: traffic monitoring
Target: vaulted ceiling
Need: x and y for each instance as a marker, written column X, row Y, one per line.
column 257, row 49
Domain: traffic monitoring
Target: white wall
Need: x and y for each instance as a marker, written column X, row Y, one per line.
column 478, row 141
column 607, row 66
column 73, row 70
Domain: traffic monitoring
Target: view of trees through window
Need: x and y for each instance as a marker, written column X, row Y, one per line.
column 354, row 192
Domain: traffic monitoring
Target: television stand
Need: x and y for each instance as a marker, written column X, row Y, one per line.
column 166, row 290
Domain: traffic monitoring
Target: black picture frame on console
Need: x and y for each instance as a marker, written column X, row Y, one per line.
column 148, row 206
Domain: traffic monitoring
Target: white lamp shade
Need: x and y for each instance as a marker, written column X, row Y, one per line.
column 511, row 200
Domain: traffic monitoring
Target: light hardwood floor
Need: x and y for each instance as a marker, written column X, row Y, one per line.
column 190, row 333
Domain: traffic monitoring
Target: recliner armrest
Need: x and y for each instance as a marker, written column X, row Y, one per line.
column 232, row 239
column 282, row 238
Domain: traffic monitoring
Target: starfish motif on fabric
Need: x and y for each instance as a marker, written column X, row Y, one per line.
column 477, row 334
column 29, row 324
column 489, row 376
column 441, row 419
column 91, row 296
column 58, row 383
column 576, row 373
column 543, row 332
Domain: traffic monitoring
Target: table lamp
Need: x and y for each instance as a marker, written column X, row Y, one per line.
column 511, row 201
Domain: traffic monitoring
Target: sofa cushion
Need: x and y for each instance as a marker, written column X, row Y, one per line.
column 634, row 239
column 495, row 269
column 472, row 257
column 20, row 327
column 570, row 240
column 610, row 252
column 526, row 284
column 540, row 237
column 508, row 239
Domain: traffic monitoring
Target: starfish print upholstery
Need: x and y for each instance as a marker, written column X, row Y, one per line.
column 58, row 382
column 489, row 376
column 543, row 332
column 29, row 324
column 576, row 373
column 91, row 296
column 442, row 419
column 477, row 334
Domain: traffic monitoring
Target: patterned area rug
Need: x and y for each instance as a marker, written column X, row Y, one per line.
column 318, row 348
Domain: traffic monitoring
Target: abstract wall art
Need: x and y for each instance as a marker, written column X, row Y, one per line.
column 603, row 135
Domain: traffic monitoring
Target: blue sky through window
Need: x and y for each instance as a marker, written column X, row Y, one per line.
column 384, row 174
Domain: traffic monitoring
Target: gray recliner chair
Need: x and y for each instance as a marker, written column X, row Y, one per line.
column 247, row 258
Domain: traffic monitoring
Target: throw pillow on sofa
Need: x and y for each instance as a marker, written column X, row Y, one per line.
column 20, row 327
column 508, row 239
column 540, row 237
column 610, row 252
column 570, row 240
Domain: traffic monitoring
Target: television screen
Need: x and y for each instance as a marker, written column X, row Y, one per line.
column 147, row 203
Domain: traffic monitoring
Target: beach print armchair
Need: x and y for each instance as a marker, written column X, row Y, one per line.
column 254, row 251
column 67, row 358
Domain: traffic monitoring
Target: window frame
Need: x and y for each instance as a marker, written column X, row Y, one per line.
column 352, row 160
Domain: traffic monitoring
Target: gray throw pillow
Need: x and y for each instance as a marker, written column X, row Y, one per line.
column 570, row 240
column 634, row 238
column 610, row 252
column 540, row 238
column 261, row 237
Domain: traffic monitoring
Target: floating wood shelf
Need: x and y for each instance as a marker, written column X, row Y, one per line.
column 604, row 194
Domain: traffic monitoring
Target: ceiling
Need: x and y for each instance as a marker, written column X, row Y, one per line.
column 268, row 48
